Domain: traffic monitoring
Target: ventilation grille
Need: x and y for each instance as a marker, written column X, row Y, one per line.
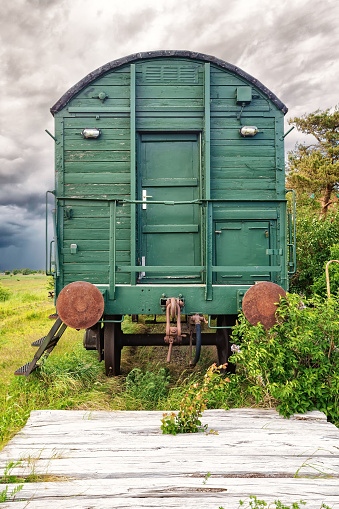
column 171, row 73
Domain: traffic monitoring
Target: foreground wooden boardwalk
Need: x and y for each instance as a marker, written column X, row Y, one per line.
column 122, row 460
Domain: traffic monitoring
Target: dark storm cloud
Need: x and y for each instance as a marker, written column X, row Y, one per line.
column 32, row 203
column 10, row 234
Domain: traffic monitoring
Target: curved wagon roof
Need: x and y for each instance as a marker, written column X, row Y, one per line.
column 115, row 64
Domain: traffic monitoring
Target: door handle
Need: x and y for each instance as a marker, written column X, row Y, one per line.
column 144, row 198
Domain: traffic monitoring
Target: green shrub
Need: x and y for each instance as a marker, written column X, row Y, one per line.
column 296, row 362
column 26, row 272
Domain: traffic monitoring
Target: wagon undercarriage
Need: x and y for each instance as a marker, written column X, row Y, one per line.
column 80, row 304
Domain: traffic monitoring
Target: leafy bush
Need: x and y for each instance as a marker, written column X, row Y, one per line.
column 26, row 272
column 4, row 293
column 296, row 362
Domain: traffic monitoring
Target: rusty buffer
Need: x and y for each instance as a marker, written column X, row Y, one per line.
column 80, row 305
column 261, row 302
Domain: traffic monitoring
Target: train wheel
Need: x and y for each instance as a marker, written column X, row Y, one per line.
column 223, row 340
column 112, row 347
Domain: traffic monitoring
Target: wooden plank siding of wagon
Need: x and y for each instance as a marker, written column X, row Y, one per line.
column 121, row 459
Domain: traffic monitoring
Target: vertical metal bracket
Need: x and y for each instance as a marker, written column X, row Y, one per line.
column 207, row 159
column 112, row 248
column 240, row 296
column 133, row 172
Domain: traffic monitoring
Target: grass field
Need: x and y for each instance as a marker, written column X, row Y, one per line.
column 72, row 378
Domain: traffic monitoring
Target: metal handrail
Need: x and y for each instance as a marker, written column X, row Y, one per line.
column 290, row 244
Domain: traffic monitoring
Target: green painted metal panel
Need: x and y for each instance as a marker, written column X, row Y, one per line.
column 145, row 299
column 244, row 94
column 242, row 243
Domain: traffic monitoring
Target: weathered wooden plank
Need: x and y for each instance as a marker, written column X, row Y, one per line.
column 171, row 91
column 230, row 105
column 95, row 222
column 121, row 459
column 99, row 144
column 238, row 194
column 248, row 150
column 94, row 102
column 96, row 278
column 97, row 155
column 111, row 120
column 224, row 184
column 114, row 78
column 97, row 166
column 94, row 256
column 175, row 102
column 240, row 162
column 115, row 191
column 97, row 178
column 95, row 245
column 220, row 77
column 168, row 123
column 112, row 91
column 94, row 234
column 96, row 209
column 245, row 173
column 238, row 142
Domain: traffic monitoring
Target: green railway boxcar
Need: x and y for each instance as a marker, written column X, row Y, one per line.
column 170, row 197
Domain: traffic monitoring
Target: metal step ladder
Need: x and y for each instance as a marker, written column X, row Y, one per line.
column 46, row 345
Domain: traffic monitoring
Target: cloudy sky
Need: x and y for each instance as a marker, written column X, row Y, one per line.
column 292, row 46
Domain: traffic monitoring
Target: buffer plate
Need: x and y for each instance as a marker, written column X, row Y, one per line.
column 80, row 305
column 260, row 303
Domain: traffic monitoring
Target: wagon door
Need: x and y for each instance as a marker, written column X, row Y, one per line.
column 168, row 170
